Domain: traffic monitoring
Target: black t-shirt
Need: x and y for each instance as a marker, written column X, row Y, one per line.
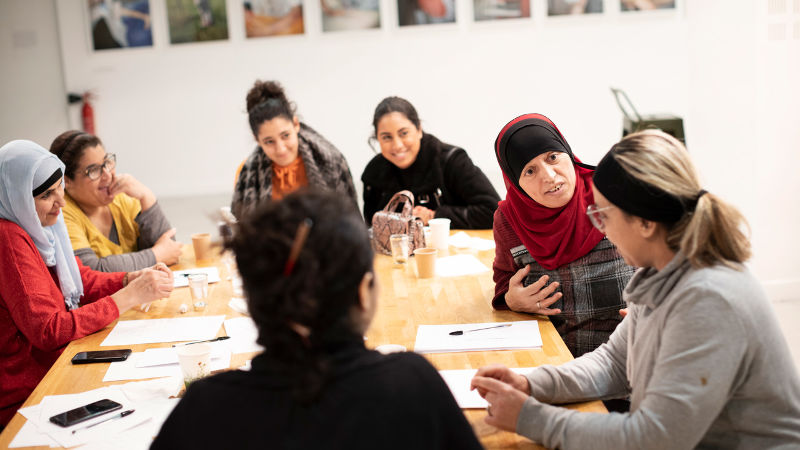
column 373, row 401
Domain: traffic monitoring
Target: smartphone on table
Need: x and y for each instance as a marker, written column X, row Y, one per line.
column 85, row 412
column 101, row 356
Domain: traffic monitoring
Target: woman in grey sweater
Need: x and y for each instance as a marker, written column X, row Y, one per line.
column 700, row 353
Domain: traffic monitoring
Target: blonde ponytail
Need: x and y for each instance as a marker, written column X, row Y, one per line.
column 712, row 232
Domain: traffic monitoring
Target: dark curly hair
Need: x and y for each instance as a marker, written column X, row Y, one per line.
column 69, row 147
column 321, row 291
column 266, row 101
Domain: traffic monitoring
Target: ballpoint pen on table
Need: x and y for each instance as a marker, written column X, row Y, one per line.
column 221, row 338
column 460, row 332
column 115, row 416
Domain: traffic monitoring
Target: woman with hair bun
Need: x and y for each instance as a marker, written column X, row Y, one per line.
column 700, row 352
column 316, row 385
column 289, row 155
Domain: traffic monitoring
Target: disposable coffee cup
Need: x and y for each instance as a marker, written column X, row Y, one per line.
column 202, row 247
column 440, row 233
column 195, row 361
column 426, row 262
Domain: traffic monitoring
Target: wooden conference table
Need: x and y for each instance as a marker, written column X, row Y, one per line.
column 404, row 303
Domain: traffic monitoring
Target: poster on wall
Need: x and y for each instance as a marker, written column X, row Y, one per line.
column 339, row 15
column 120, row 23
column 422, row 12
column 273, row 17
column 501, row 9
column 644, row 5
column 568, row 7
column 197, row 20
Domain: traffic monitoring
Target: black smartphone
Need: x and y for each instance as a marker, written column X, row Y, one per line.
column 101, row 356
column 86, row 412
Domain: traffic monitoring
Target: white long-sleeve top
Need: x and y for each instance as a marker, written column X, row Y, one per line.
column 701, row 356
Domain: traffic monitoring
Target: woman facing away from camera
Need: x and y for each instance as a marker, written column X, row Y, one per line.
column 443, row 179
column 114, row 221
column 47, row 297
column 549, row 259
column 700, row 352
column 315, row 385
column 289, row 154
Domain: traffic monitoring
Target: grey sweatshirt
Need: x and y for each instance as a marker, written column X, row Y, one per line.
column 701, row 356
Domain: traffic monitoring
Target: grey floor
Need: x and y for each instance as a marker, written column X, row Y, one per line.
column 193, row 215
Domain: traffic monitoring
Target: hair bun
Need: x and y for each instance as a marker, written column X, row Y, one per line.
column 263, row 91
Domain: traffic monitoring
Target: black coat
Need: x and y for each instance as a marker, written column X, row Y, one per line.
column 443, row 178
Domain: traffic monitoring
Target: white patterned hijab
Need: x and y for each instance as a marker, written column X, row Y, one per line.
column 24, row 166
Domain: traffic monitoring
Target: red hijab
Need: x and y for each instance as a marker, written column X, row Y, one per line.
column 553, row 236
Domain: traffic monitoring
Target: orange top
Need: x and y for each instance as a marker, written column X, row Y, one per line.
column 288, row 178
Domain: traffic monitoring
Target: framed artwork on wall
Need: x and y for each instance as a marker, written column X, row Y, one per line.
column 197, row 20
column 423, row 12
column 645, row 5
column 501, row 9
column 341, row 15
column 273, row 17
column 569, row 7
column 120, row 23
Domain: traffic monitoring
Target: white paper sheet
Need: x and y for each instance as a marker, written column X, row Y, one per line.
column 128, row 370
column 457, row 265
column 463, row 240
column 182, row 276
column 131, row 332
column 239, row 305
column 243, row 333
column 437, row 338
column 458, row 381
column 169, row 355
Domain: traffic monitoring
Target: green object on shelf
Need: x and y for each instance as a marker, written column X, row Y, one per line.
column 633, row 121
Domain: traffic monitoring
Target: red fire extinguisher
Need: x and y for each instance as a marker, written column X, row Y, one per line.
column 87, row 114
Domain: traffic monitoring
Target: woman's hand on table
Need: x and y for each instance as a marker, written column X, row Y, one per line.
column 127, row 184
column 535, row 298
column 167, row 250
column 505, row 400
column 423, row 213
column 144, row 286
column 504, row 374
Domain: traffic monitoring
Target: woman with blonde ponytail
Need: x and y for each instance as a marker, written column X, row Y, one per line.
column 700, row 352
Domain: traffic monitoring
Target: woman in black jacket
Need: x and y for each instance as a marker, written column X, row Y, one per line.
column 443, row 179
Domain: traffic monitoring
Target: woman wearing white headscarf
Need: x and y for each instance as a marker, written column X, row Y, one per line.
column 47, row 297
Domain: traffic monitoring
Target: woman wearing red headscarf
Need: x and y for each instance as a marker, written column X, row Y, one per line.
column 549, row 258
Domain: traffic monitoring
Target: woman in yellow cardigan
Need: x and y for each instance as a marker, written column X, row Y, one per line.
column 114, row 221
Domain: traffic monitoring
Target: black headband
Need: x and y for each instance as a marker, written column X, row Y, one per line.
column 48, row 182
column 636, row 197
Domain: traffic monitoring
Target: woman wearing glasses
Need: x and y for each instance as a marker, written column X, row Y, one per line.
column 700, row 352
column 47, row 297
column 114, row 221
column 549, row 259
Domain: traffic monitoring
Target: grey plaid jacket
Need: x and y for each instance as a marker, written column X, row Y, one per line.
column 591, row 287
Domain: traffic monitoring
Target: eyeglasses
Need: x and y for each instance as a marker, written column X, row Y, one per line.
column 597, row 217
column 95, row 170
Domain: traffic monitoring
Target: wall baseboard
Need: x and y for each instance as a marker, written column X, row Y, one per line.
column 783, row 290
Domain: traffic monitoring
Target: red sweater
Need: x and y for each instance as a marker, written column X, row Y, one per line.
column 35, row 325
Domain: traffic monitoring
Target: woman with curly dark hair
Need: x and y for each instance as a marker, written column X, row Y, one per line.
column 306, row 263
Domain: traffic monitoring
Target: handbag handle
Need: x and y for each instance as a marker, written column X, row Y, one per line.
column 619, row 93
column 404, row 196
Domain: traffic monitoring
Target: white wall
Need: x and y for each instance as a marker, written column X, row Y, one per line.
column 176, row 115
column 32, row 98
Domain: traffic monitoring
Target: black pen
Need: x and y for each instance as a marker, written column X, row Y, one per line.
column 115, row 416
column 221, row 338
column 460, row 332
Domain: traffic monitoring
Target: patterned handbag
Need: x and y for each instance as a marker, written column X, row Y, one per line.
column 388, row 222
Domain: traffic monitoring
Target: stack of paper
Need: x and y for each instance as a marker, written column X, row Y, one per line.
column 149, row 400
column 182, row 276
column 459, row 381
column 243, row 333
column 463, row 240
column 152, row 331
column 437, row 338
column 458, row 265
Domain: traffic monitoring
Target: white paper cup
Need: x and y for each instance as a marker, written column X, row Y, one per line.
column 195, row 361
column 440, row 233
